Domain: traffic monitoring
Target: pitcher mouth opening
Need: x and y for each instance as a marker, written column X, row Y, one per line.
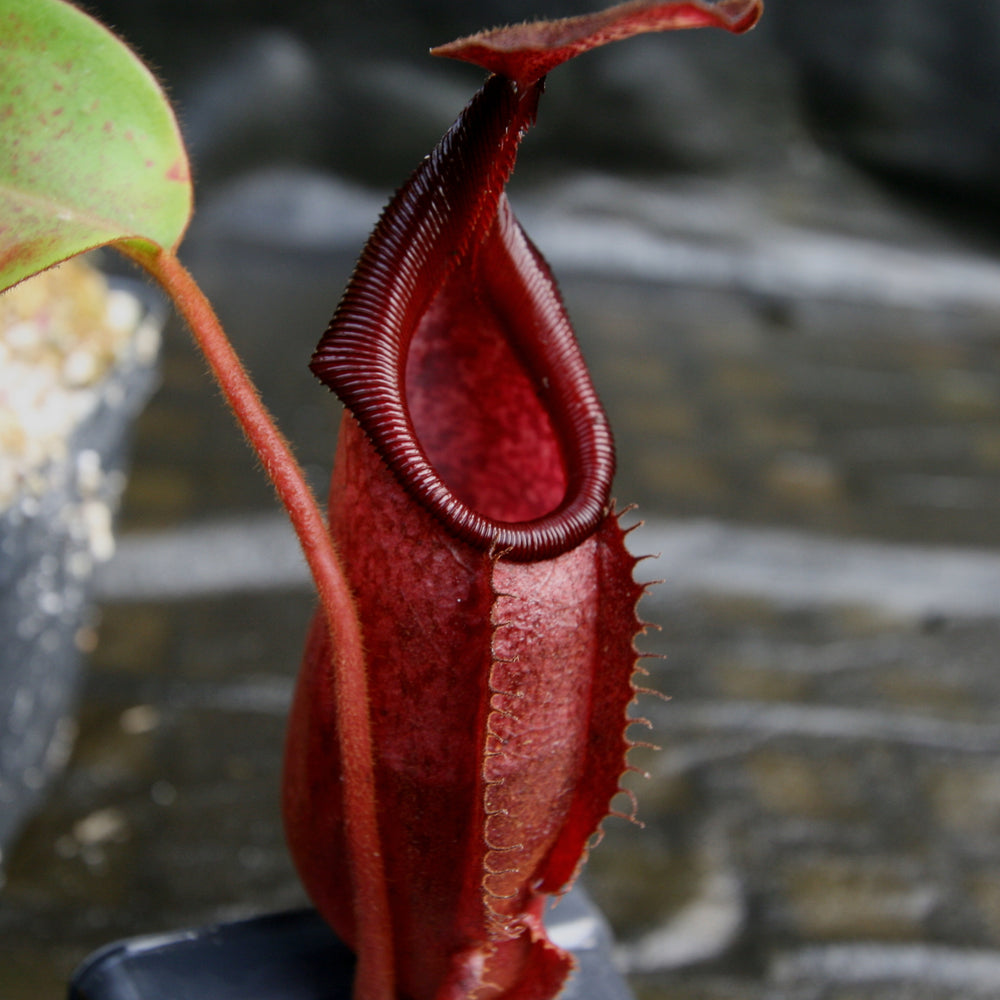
column 453, row 350
column 477, row 415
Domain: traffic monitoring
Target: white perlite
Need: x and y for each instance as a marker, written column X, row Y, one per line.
column 61, row 333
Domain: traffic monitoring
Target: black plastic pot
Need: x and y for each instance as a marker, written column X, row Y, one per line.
column 295, row 956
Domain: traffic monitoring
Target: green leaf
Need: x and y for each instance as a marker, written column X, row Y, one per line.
column 90, row 152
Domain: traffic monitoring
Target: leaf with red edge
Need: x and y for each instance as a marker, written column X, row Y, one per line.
column 90, row 152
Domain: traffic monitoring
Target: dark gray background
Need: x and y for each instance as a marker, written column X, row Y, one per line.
column 780, row 255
